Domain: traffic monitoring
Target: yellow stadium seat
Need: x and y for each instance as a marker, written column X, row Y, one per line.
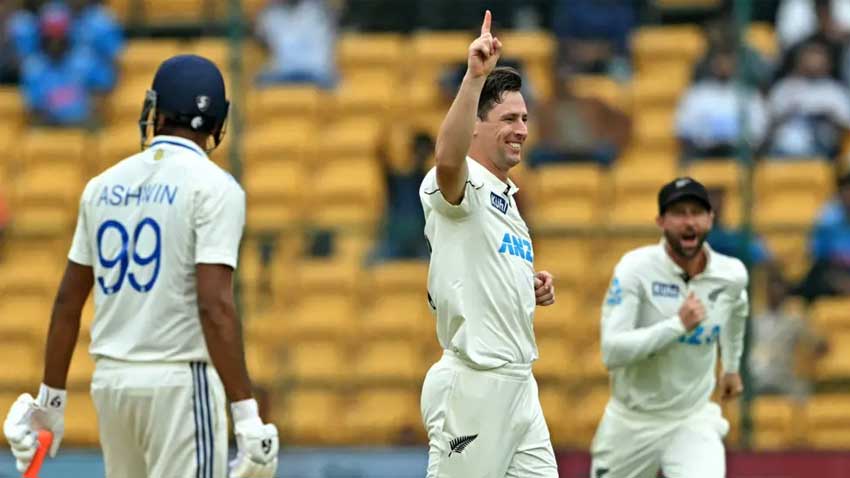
column 273, row 191
column 321, row 361
column 782, row 208
column 654, row 129
column 635, row 211
column 263, row 361
column 640, row 181
column 388, row 361
column 529, row 46
column 554, row 320
column 366, row 92
column 396, row 314
column 601, row 87
column 384, row 415
column 116, row 143
column 50, row 221
column 836, row 364
column 141, row 57
column 556, row 358
column 781, row 176
column 827, row 422
column 311, row 416
column 165, row 12
column 592, row 367
column 790, row 249
column 57, row 184
column 831, row 313
column 320, row 277
column 588, row 409
column 369, row 49
column 347, row 193
column 27, row 359
column 280, row 140
column 216, row 50
column 50, row 146
column 664, row 43
column 660, row 87
column 81, row 424
column 568, row 194
column 397, row 276
column 439, row 48
column 24, row 313
column 773, row 423
column 762, row 37
column 282, row 103
column 125, row 102
column 722, row 173
column 11, row 103
column 344, row 139
column 610, row 251
column 567, row 258
column 322, row 315
column 557, row 409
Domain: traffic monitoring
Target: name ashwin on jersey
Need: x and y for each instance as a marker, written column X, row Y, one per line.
column 120, row 195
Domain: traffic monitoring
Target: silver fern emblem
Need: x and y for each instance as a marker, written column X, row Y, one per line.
column 460, row 443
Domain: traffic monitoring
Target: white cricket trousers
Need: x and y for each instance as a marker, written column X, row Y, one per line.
column 485, row 423
column 633, row 445
column 163, row 420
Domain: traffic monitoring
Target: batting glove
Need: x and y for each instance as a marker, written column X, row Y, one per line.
column 27, row 416
column 256, row 443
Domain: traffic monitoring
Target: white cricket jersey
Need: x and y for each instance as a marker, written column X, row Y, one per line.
column 481, row 276
column 655, row 366
column 143, row 226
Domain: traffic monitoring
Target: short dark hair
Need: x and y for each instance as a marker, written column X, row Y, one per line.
column 499, row 81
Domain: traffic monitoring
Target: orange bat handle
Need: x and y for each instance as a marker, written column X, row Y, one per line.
column 45, row 438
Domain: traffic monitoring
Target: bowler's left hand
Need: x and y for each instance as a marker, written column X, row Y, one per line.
column 544, row 288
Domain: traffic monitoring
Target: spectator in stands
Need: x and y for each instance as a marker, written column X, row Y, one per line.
column 403, row 236
column 721, row 35
column 798, row 20
column 808, row 109
column 573, row 128
column 18, row 38
column 777, row 338
column 59, row 84
column 594, row 35
column 451, row 78
column 828, row 31
column 730, row 241
column 709, row 120
column 94, row 26
column 830, row 246
column 300, row 36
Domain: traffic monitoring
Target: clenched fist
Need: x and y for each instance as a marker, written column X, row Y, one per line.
column 484, row 51
column 692, row 312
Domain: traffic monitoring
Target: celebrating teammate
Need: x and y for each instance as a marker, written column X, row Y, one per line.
column 480, row 403
column 158, row 237
column 668, row 307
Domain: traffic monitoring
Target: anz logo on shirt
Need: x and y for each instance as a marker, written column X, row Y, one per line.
column 698, row 336
column 516, row 246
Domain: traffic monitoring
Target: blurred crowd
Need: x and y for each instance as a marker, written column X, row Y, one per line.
column 63, row 55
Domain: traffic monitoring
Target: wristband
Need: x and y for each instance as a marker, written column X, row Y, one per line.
column 245, row 410
column 52, row 398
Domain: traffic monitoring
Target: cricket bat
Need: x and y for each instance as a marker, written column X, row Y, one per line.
column 45, row 438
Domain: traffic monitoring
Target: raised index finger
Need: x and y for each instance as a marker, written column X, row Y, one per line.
column 485, row 26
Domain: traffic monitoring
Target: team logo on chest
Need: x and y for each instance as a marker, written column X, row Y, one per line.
column 499, row 202
column 660, row 289
column 516, row 246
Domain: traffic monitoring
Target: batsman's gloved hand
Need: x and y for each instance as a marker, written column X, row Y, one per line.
column 27, row 416
column 256, row 443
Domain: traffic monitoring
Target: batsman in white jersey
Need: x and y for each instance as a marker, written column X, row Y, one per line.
column 157, row 238
column 480, row 403
column 668, row 308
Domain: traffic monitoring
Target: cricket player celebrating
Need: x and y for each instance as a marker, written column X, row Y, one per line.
column 158, row 237
column 668, row 307
column 480, row 402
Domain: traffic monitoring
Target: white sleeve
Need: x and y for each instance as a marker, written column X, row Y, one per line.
column 218, row 222
column 81, row 246
column 432, row 197
column 732, row 337
column 623, row 343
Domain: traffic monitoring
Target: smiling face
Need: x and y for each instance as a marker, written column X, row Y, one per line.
column 500, row 135
column 686, row 224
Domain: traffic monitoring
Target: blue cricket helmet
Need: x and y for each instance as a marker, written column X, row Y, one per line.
column 189, row 91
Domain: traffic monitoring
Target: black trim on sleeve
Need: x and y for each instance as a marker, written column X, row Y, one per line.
column 467, row 182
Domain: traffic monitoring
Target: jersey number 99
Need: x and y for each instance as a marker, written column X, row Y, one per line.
column 122, row 259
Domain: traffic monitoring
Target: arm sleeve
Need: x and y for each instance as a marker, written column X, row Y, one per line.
column 432, row 198
column 623, row 343
column 732, row 337
column 219, row 220
column 81, row 246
